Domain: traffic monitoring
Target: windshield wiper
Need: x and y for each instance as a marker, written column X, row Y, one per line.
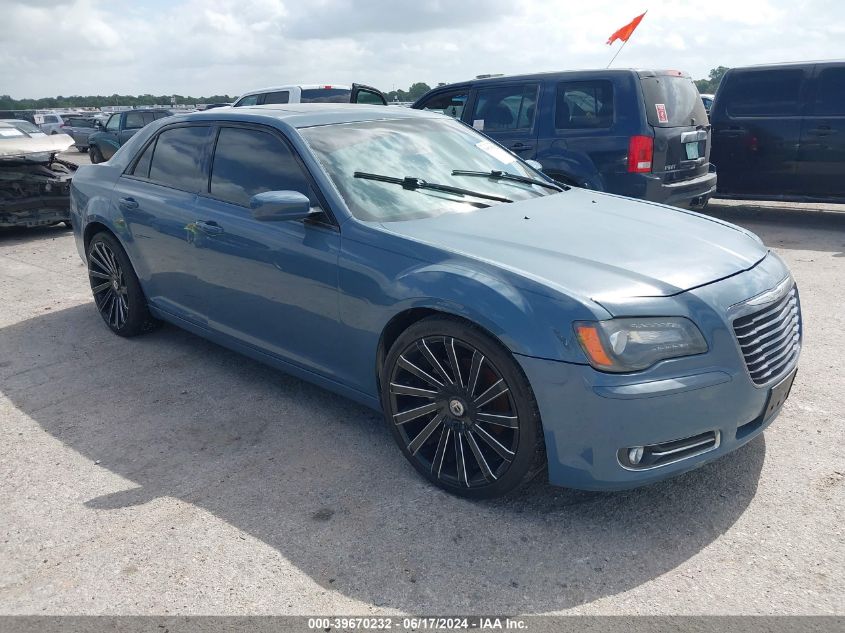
column 412, row 184
column 503, row 175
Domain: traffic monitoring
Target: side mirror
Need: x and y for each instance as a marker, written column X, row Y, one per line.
column 276, row 206
column 535, row 165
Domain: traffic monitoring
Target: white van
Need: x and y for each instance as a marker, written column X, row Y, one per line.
column 313, row 93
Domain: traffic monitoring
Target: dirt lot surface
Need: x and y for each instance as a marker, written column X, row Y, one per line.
column 166, row 475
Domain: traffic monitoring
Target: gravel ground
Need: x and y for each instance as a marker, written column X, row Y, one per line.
column 166, row 475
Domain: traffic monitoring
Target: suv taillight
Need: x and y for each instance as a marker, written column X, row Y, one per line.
column 640, row 154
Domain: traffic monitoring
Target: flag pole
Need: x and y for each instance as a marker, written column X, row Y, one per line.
column 617, row 52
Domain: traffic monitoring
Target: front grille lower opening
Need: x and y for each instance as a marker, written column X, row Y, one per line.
column 665, row 453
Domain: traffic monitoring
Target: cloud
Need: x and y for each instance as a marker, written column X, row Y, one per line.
column 230, row 46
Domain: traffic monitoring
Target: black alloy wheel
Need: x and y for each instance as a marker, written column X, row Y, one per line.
column 461, row 410
column 117, row 293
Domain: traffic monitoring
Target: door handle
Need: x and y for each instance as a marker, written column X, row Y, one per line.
column 823, row 130
column 208, row 227
column 519, row 146
column 128, row 203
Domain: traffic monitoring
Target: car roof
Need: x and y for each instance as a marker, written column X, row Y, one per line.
column 301, row 115
column 300, row 86
column 789, row 64
column 643, row 72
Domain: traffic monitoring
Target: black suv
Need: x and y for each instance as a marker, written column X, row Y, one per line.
column 779, row 132
column 638, row 133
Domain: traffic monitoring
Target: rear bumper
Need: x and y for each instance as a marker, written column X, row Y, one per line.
column 686, row 193
column 589, row 416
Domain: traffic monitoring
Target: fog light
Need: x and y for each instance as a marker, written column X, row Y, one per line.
column 635, row 454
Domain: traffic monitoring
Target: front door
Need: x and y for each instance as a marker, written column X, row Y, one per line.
column 821, row 158
column 109, row 140
column 271, row 285
column 507, row 113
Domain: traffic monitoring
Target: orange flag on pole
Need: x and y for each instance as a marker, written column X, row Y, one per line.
column 625, row 32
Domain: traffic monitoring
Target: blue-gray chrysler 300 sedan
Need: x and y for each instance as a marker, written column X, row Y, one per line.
column 503, row 323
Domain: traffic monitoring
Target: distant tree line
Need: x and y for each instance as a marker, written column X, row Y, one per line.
column 413, row 93
column 708, row 86
column 98, row 101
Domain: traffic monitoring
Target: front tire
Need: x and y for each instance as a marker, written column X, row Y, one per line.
column 117, row 292
column 95, row 155
column 461, row 409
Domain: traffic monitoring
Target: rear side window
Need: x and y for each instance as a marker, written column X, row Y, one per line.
column 830, row 93
column 177, row 159
column 134, row 121
column 672, row 101
column 451, row 103
column 764, row 93
column 325, row 95
column 142, row 167
column 505, row 108
column 277, row 97
column 247, row 162
column 161, row 115
column 51, row 119
column 584, row 105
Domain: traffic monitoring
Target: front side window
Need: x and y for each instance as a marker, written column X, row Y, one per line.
column 114, row 123
column 504, row 108
column 764, row 93
column 427, row 149
column 251, row 100
column 451, row 103
column 277, row 97
column 584, row 105
column 247, row 162
column 177, row 159
column 51, row 119
column 134, row 121
column 830, row 94
column 160, row 115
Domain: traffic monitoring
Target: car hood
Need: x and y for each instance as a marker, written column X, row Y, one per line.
column 22, row 146
column 593, row 244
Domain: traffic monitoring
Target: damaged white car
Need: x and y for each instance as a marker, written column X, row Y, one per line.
column 34, row 184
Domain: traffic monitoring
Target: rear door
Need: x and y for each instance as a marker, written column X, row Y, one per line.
column 756, row 130
column 676, row 115
column 157, row 196
column 508, row 114
column 367, row 95
column 821, row 157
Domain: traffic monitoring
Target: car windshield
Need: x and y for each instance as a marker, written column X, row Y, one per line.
column 425, row 149
column 27, row 127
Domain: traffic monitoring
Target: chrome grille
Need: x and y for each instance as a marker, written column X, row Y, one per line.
column 770, row 338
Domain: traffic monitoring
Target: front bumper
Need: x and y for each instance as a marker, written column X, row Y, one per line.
column 588, row 418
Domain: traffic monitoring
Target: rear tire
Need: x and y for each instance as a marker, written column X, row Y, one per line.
column 82, row 149
column 117, row 292
column 464, row 441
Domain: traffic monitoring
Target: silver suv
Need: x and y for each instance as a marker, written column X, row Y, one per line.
column 313, row 93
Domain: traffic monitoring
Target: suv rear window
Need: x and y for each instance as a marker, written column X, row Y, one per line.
column 325, row 95
column 672, row 101
column 763, row 93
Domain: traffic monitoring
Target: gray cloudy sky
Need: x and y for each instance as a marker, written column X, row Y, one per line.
column 203, row 47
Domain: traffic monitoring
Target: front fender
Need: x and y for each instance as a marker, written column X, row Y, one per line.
column 382, row 277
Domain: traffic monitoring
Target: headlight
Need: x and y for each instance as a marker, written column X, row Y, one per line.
column 621, row 345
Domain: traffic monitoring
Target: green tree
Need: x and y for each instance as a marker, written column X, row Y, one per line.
column 709, row 85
